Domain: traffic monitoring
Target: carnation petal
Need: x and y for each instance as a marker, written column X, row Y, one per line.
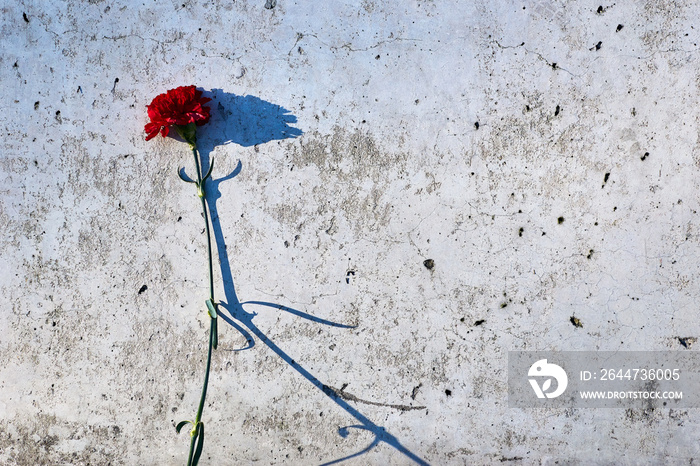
column 152, row 129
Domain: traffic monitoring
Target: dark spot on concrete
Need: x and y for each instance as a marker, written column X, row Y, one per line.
column 527, row 108
column 576, row 322
column 16, row 65
column 142, row 289
column 179, row 218
column 476, row 125
column 429, row 264
column 36, row 107
column 504, row 305
column 479, row 322
column 590, row 254
column 512, row 458
column 600, row 10
column 560, row 220
column 351, row 273
column 646, row 154
column 520, row 231
column 414, row 393
column 377, row 57
column 687, row 342
column 270, row 4
column 26, row 19
column 619, row 28
column 557, row 110
column 605, row 179
column 598, row 45
column 448, row 392
column 554, row 66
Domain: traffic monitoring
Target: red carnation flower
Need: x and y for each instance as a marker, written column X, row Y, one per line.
column 178, row 107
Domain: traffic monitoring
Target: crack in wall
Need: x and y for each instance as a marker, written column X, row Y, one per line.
column 341, row 393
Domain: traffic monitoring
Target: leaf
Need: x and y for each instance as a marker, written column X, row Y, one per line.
column 200, row 445
column 180, row 172
column 180, row 425
column 211, row 167
column 546, row 385
column 211, row 307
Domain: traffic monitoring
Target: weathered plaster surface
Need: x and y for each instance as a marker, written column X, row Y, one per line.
column 544, row 155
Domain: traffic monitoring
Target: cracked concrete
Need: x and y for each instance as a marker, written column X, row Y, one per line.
column 403, row 193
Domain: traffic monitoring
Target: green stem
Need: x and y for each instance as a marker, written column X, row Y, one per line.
column 200, row 184
column 212, row 329
column 193, row 441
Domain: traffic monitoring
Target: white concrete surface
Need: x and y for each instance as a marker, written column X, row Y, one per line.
column 586, row 114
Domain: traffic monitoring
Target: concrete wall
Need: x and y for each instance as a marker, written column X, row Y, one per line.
column 544, row 155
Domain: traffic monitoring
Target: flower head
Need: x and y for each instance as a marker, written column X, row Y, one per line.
column 178, row 107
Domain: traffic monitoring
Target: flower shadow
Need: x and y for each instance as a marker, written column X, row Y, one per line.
column 245, row 120
column 269, row 122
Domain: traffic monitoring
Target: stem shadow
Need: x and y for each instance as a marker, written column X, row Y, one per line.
column 242, row 320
